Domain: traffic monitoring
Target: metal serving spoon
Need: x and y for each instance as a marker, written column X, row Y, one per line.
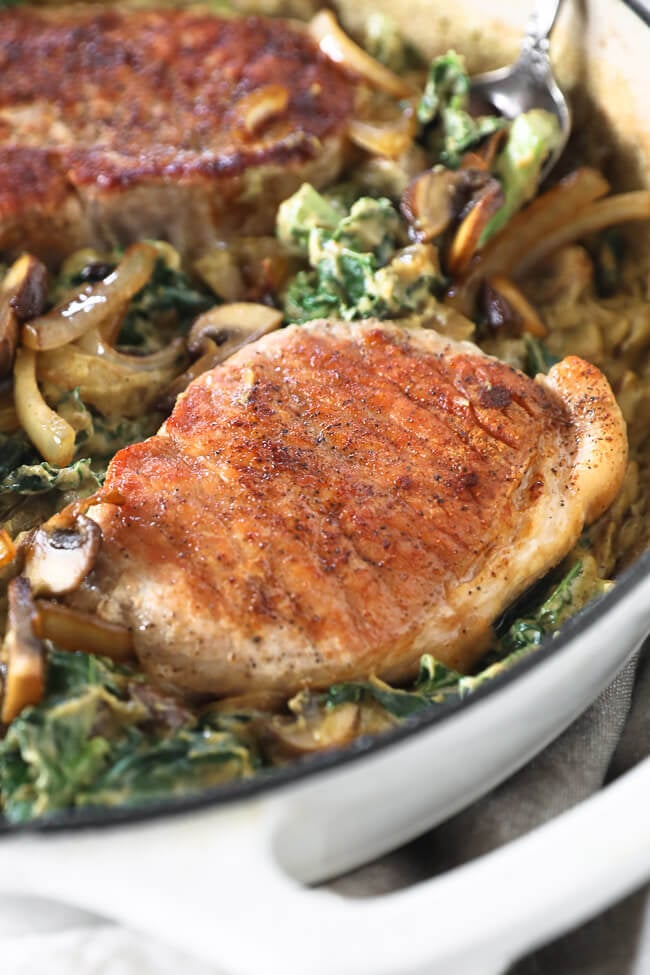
column 529, row 82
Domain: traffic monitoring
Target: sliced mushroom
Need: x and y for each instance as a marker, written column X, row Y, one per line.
column 484, row 155
column 24, row 654
column 482, row 207
column 289, row 737
column 232, row 326
column 59, row 558
column 429, row 203
column 216, row 335
column 506, row 305
column 26, row 284
column 437, row 198
column 73, row 630
column 22, row 296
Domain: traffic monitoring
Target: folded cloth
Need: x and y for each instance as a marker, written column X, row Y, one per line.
column 38, row 938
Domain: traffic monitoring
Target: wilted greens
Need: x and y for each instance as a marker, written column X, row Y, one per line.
column 532, row 137
column 168, row 292
column 359, row 268
column 105, row 736
column 449, row 129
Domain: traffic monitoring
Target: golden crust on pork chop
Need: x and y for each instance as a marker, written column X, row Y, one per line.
column 337, row 499
column 116, row 125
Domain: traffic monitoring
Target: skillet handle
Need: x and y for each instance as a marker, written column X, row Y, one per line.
column 211, row 884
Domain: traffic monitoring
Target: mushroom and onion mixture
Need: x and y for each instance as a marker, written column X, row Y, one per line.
column 440, row 222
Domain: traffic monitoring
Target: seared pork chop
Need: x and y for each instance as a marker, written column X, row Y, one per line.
column 337, row 499
column 117, row 125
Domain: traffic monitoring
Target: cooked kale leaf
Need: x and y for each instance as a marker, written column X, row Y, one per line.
column 538, row 357
column 43, row 477
column 103, row 736
column 358, row 267
column 533, row 135
column 168, row 292
column 443, row 113
column 15, row 449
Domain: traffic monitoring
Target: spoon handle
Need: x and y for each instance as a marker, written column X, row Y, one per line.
column 540, row 24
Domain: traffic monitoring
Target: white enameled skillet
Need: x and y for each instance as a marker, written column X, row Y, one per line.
column 223, row 874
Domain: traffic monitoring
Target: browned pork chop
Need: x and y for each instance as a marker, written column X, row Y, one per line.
column 117, row 125
column 337, row 499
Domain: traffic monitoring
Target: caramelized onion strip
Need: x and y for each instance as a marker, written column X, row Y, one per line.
column 24, row 654
column 52, row 436
column 621, row 208
column 337, row 46
column 7, row 548
column 384, row 138
column 529, row 320
column 543, row 217
column 91, row 306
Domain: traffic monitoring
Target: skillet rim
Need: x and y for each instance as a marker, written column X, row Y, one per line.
column 270, row 780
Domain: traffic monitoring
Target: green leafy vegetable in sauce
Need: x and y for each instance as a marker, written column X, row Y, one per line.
column 104, row 736
column 532, row 137
column 43, row 477
column 169, row 292
column 443, row 112
column 301, row 213
column 15, row 449
column 359, row 268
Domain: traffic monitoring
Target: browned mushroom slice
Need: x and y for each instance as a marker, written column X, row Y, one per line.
column 24, row 654
column 217, row 334
column 437, row 198
column 59, row 558
column 481, row 208
column 505, row 304
column 290, row 737
column 232, row 326
column 22, row 295
column 429, row 203
column 74, row 630
column 484, row 155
